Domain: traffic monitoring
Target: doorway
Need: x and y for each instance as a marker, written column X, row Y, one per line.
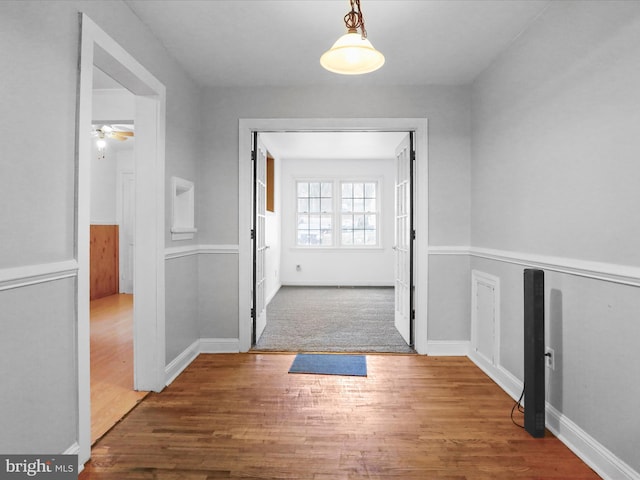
column 112, row 215
column 344, row 222
column 248, row 129
column 101, row 51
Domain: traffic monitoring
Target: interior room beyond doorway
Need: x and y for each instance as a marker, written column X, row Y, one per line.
column 341, row 161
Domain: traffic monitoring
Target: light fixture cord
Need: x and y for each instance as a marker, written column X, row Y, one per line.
column 354, row 19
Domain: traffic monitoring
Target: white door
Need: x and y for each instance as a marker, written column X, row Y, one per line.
column 259, row 244
column 126, row 232
column 403, row 240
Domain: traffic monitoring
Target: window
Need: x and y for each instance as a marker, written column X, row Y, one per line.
column 315, row 217
column 347, row 219
column 359, row 218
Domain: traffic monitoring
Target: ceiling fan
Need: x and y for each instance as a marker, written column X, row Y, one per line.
column 116, row 131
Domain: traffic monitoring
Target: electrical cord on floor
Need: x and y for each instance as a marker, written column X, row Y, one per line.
column 518, row 404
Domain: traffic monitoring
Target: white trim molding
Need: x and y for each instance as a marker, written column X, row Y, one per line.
column 448, row 348
column 201, row 345
column 247, row 126
column 17, row 277
column 187, row 250
column 603, row 462
column 182, row 361
column 606, row 272
column 219, row 345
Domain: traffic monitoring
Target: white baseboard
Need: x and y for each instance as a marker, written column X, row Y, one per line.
column 219, row 345
column 603, row 462
column 202, row 345
column 505, row 379
column 72, row 450
column 590, row 451
column 273, row 294
column 448, row 348
column 182, row 361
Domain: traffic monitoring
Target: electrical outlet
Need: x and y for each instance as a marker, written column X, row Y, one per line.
column 550, row 358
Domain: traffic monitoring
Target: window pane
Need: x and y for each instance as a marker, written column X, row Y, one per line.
column 347, row 237
column 347, row 222
column 303, row 205
column 303, row 238
column 314, row 222
column 358, row 205
column 303, row 222
column 347, row 189
column 358, row 237
column 303, row 189
column 314, row 237
column 326, row 221
column 370, row 205
column 370, row 190
column 314, row 189
column 314, row 205
column 326, row 205
column 347, row 205
column 358, row 190
column 358, row 222
column 370, row 237
column 327, row 238
column 370, row 222
column 327, row 189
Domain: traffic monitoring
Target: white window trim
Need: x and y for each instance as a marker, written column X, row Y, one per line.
column 336, row 213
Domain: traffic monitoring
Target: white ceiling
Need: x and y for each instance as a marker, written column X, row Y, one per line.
column 332, row 145
column 279, row 42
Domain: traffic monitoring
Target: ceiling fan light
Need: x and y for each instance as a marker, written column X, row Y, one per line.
column 352, row 55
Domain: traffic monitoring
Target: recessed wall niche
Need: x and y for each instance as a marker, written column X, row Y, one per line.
column 182, row 209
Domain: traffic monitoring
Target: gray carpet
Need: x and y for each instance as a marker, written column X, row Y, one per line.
column 332, row 319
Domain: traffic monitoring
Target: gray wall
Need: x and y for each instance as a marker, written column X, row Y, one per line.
column 555, row 172
column 447, row 109
column 38, row 59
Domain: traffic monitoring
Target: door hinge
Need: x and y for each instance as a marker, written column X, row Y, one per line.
column 413, row 314
column 253, row 312
column 253, row 234
column 253, row 155
column 413, row 155
column 413, row 234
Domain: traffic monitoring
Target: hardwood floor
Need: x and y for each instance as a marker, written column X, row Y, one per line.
column 112, row 394
column 413, row 417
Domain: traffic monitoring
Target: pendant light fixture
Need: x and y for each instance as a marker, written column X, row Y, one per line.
column 353, row 54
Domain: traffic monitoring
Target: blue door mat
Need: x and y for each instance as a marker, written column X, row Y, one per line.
column 330, row 364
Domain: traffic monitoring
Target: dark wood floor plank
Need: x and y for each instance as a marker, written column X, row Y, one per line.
column 414, row 417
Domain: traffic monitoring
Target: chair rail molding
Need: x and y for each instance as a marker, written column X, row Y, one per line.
column 17, row 277
column 604, row 271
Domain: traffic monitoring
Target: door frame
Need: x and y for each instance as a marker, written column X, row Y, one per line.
column 420, row 213
column 100, row 50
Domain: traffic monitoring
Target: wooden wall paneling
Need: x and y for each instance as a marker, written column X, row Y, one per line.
column 104, row 261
